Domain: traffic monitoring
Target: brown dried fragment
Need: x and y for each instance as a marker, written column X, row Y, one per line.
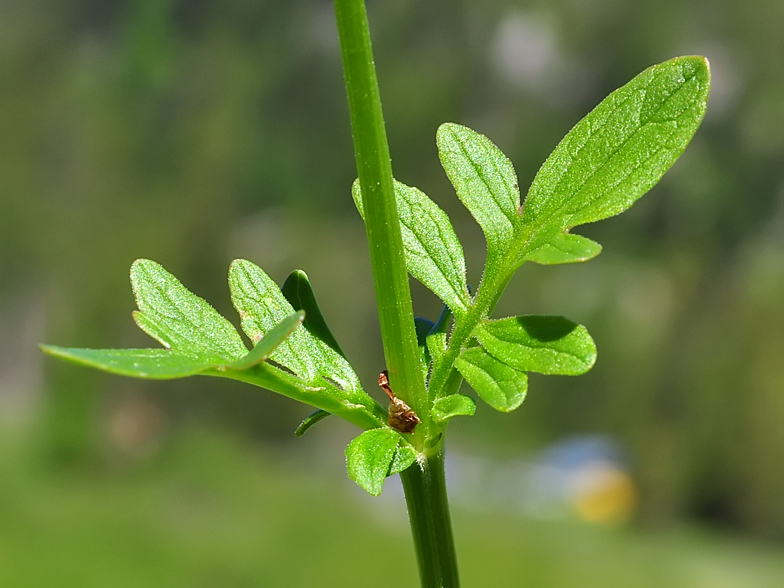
column 401, row 417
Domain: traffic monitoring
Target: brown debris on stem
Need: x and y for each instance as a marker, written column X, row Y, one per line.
column 401, row 417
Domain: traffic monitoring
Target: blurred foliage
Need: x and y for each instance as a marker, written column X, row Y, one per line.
column 211, row 511
column 196, row 132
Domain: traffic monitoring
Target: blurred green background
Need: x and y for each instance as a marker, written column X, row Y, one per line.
column 196, row 132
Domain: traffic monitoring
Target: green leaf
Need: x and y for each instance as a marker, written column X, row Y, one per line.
column 485, row 182
column 451, row 406
column 423, row 327
column 405, row 456
column 543, row 344
column 309, row 421
column 436, row 339
column 299, row 293
column 157, row 364
column 200, row 341
column 262, row 306
column 180, row 320
column 565, row 248
column 620, row 150
column 164, row 364
column 269, row 342
column 370, row 456
column 433, row 252
column 501, row 386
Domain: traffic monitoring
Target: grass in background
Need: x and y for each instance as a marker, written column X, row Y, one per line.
column 210, row 511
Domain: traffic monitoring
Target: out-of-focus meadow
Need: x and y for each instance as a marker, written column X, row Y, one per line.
column 193, row 133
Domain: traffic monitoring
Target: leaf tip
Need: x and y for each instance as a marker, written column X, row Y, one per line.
column 356, row 195
column 236, row 263
column 142, row 265
column 447, row 130
column 48, row 349
column 698, row 67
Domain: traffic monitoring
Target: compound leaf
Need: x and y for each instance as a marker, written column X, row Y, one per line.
column 485, row 182
column 180, row 320
column 369, row 458
column 543, row 344
column 433, row 252
column 619, row 150
column 501, row 386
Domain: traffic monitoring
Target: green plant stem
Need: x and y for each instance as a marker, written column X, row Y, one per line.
column 428, row 510
column 381, row 219
column 424, row 482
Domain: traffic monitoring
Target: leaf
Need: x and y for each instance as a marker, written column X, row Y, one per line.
column 619, row 150
column 565, row 248
column 158, row 364
column 262, row 305
column 436, row 338
column 298, row 291
column 433, row 252
column 501, row 386
column 485, row 182
column 200, row 341
column 271, row 341
column 423, row 328
column 164, row 364
column 180, row 320
column 309, row 421
column 451, row 406
column 370, row 456
column 543, row 344
column 405, row 456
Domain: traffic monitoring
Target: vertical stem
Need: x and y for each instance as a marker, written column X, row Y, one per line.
column 424, row 482
column 393, row 296
column 431, row 527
